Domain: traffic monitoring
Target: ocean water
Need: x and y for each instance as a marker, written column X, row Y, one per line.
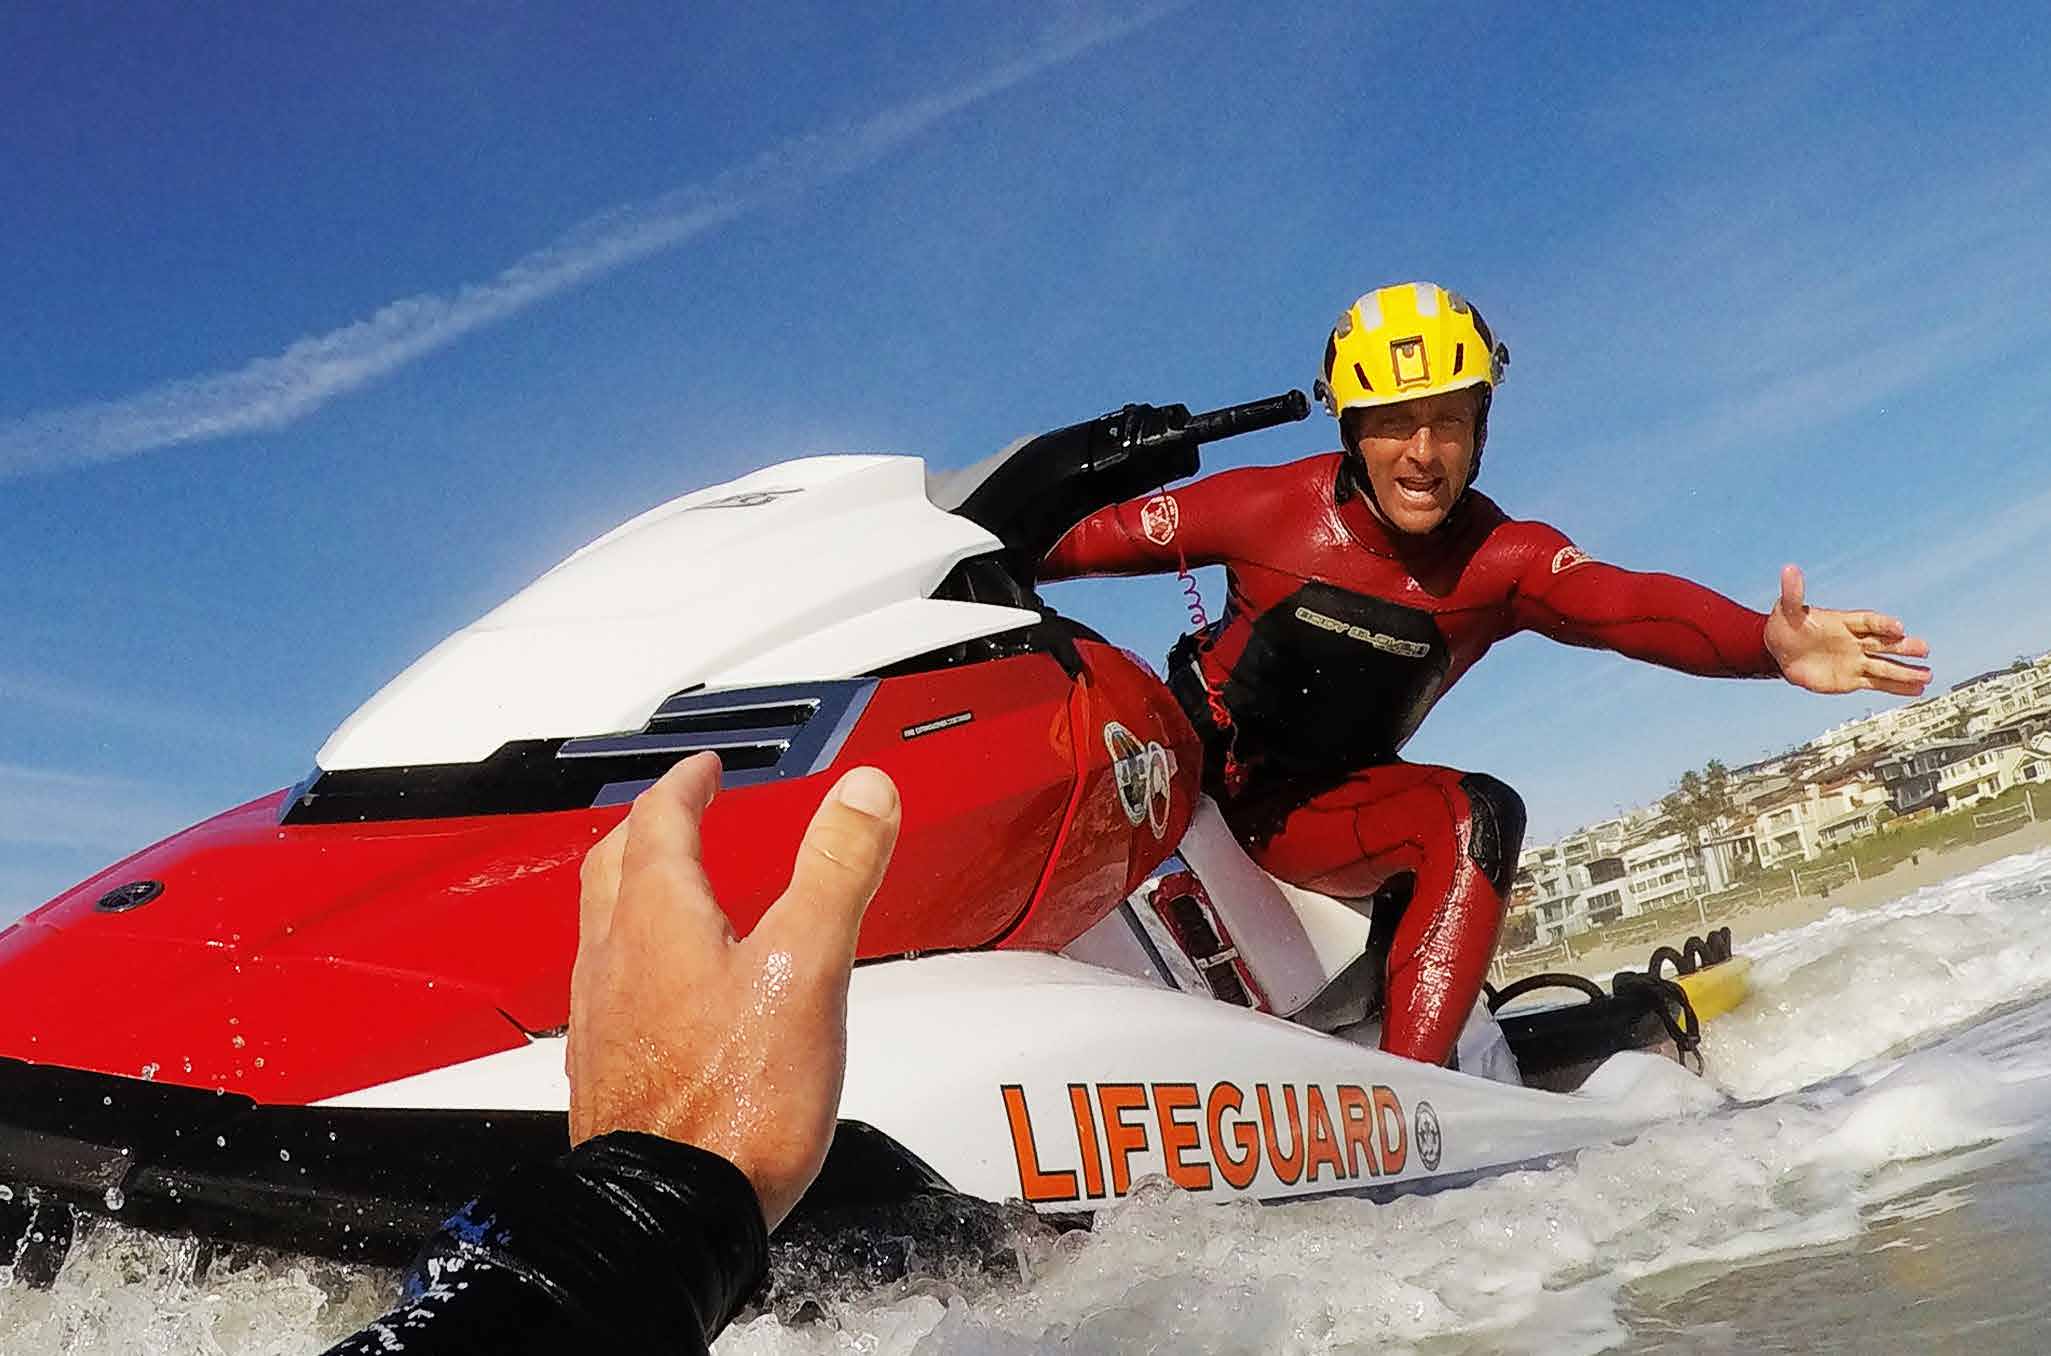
column 1876, row 1177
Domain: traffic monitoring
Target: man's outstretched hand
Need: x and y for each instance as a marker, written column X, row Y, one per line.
column 1829, row 651
column 680, row 1030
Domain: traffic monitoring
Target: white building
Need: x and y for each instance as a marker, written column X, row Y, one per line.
column 1667, row 870
column 1791, row 827
column 1990, row 772
column 1793, row 807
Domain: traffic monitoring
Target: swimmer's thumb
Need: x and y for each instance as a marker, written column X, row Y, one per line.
column 840, row 863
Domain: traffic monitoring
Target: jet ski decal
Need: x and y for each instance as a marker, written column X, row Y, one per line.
column 1214, row 1139
column 1145, row 775
column 927, row 727
column 745, row 499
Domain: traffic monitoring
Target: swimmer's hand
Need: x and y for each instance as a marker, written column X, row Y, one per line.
column 1829, row 651
column 679, row 1029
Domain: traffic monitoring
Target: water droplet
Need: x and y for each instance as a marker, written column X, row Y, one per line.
column 284, row 1155
column 114, row 1198
column 106, row 1101
column 7, row 1192
column 238, row 1042
column 149, row 1072
column 234, row 1021
column 259, row 1061
column 331, row 1137
column 220, row 1141
column 188, row 1064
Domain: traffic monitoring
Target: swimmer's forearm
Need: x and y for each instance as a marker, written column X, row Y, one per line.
column 627, row 1243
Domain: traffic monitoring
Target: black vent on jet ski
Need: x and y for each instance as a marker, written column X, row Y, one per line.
column 760, row 734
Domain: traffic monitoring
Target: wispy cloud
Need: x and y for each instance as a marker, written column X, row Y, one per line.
column 270, row 393
column 22, row 693
column 1935, row 564
column 111, row 815
column 1786, row 326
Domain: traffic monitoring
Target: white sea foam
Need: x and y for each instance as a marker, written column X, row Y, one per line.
column 1841, row 1129
column 1540, row 1261
column 124, row 1292
column 1855, row 985
column 1533, row 1261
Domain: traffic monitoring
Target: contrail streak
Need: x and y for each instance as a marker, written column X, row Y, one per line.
column 270, row 393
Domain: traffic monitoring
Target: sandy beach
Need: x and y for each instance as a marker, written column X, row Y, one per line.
column 1602, row 961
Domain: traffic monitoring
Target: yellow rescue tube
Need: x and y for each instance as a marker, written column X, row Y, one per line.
column 1717, row 989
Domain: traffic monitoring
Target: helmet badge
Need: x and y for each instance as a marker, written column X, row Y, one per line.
column 1408, row 358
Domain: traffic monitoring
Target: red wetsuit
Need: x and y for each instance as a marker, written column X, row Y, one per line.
column 1337, row 637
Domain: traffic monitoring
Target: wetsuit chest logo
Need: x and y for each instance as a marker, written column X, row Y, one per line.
column 1407, row 649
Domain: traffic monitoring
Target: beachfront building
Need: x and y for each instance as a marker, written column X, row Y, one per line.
column 1978, row 740
column 1747, row 793
column 1982, row 775
column 1911, row 776
column 1791, row 827
column 1728, row 854
column 1664, row 871
column 1608, row 891
column 2028, row 696
column 1553, row 882
column 1952, row 774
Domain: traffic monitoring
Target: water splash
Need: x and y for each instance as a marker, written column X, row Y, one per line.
column 1888, row 1056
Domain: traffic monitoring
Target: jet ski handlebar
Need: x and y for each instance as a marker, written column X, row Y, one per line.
column 1051, row 483
column 1251, row 417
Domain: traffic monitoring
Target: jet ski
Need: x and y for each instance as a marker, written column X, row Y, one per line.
column 322, row 1020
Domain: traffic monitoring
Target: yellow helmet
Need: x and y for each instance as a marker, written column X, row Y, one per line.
column 1405, row 341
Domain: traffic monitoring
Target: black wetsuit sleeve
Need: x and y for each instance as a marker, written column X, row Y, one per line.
column 628, row 1243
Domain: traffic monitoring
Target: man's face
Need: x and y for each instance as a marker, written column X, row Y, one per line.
column 1419, row 455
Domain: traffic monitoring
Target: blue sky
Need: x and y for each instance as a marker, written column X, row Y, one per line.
column 329, row 328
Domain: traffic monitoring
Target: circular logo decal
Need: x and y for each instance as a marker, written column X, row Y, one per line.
column 1160, row 788
column 1146, row 778
column 1429, row 1142
column 1129, row 767
column 133, row 895
column 1567, row 557
column 1159, row 517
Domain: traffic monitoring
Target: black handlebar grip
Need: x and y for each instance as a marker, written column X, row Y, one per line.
column 1251, row 417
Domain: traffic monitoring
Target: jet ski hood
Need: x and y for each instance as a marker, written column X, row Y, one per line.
column 239, row 956
column 816, row 568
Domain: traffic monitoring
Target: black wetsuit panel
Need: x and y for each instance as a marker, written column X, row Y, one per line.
column 629, row 1243
column 1331, row 680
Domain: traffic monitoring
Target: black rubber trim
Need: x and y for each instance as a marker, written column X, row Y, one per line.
column 525, row 777
column 760, row 734
column 1558, row 1047
column 351, row 1183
